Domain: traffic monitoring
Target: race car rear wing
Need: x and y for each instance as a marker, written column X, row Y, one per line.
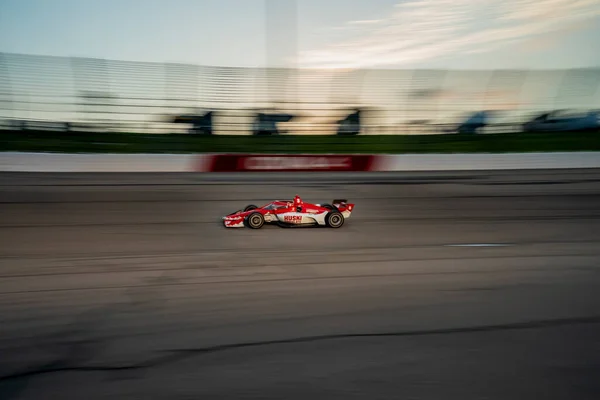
column 343, row 206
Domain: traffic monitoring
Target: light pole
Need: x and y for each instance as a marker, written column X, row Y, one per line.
column 281, row 48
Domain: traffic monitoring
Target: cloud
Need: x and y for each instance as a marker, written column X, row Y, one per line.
column 421, row 30
column 366, row 22
column 552, row 39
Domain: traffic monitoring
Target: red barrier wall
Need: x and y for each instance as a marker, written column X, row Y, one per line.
column 289, row 162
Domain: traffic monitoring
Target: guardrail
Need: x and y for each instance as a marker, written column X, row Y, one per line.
column 244, row 163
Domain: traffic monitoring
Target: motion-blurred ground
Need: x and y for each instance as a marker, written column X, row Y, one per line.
column 127, row 286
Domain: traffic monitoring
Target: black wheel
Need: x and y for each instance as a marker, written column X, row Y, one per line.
column 328, row 206
column 255, row 220
column 335, row 219
column 250, row 207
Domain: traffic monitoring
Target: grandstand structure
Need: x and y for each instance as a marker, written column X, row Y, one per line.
column 146, row 97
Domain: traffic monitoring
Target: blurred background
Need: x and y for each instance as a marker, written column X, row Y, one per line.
column 270, row 67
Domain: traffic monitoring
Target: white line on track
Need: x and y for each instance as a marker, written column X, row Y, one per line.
column 479, row 245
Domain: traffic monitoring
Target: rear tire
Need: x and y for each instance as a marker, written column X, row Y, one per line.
column 334, row 219
column 250, row 207
column 255, row 221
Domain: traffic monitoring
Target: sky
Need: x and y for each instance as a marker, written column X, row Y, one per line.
column 471, row 34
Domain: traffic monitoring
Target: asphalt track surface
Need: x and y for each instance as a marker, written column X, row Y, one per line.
column 127, row 286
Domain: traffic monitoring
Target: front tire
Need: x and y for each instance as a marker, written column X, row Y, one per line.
column 334, row 219
column 255, row 221
column 250, row 207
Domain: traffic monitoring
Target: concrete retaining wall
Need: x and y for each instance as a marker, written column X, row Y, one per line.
column 55, row 162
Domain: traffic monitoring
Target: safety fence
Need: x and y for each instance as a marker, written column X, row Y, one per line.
column 125, row 96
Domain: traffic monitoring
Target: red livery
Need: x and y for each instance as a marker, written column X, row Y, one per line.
column 291, row 213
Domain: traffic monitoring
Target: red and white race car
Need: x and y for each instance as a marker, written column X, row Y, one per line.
column 291, row 213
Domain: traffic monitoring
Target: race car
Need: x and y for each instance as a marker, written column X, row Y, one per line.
column 291, row 213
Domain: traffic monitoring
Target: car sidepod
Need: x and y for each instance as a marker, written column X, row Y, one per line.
column 300, row 219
